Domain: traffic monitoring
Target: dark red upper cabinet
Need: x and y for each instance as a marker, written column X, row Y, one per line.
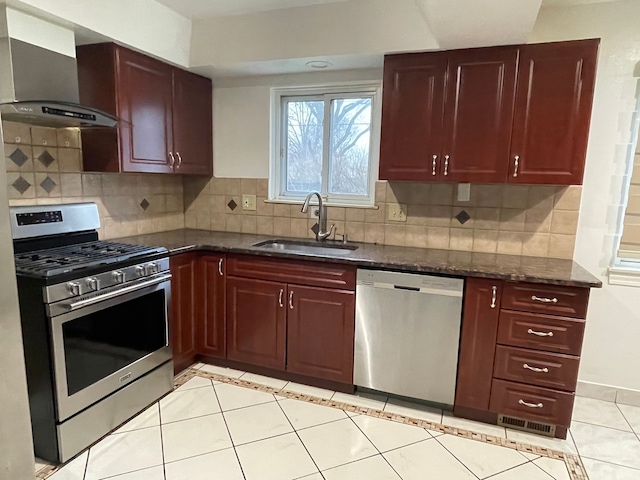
column 192, row 123
column 552, row 113
column 165, row 113
column 478, row 114
column 145, row 104
column 412, row 108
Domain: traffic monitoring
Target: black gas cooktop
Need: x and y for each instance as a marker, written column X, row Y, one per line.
column 78, row 257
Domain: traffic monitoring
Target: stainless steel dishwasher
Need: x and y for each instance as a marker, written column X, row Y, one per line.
column 408, row 334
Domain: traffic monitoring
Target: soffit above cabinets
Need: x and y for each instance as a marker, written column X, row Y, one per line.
column 201, row 9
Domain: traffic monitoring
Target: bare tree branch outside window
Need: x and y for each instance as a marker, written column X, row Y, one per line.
column 349, row 145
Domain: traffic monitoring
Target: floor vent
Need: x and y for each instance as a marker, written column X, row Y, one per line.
column 526, row 425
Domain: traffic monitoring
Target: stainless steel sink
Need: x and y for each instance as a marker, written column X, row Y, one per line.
column 302, row 246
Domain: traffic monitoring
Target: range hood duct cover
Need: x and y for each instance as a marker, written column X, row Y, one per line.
column 40, row 86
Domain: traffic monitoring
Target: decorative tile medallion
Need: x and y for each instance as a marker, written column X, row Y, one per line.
column 46, row 158
column 21, row 185
column 316, row 228
column 463, row 217
column 232, row 205
column 144, row 204
column 18, row 157
column 48, row 185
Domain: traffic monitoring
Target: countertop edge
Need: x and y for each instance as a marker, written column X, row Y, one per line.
column 403, row 267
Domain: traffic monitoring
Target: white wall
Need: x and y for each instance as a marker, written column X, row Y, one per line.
column 611, row 353
column 145, row 25
column 360, row 27
column 241, row 118
column 16, row 447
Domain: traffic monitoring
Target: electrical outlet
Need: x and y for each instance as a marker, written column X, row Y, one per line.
column 397, row 213
column 248, row 202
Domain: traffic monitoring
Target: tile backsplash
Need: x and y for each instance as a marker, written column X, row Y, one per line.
column 509, row 219
column 44, row 165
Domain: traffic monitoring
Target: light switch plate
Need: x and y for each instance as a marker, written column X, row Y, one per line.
column 248, row 202
column 397, row 213
column 464, row 192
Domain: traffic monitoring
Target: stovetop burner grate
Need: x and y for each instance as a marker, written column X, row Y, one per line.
column 80, row 256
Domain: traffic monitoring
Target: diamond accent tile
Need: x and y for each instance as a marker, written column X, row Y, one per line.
column 463, row 217
column 18, row 157
column 144, row 204
column 232, row 205
column 46, row 158
column 48, row 185
column 315, row 229
column 21, row 185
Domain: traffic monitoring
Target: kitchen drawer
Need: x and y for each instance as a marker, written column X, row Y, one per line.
column 532, row 367
column 538, row 404
column 315, row 274
column 549, row 299
column 541, row 332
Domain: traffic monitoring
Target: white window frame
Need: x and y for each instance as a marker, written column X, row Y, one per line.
column 326, row 93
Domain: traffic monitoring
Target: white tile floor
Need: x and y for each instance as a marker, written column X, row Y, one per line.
column 211, row 430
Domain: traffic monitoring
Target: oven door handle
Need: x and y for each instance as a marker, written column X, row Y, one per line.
column 131, row 288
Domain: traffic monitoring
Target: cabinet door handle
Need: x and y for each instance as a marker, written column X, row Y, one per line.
column 544, row 300
column 494, row 296
column 535, row 369
column 280, row 298
column 220, row 266
column 179, row 160
column 540, row 334
column 291, row 299
column 434, row 164
column 446, row 165
column 172, row 160
column 516, row 165
column 531, row 405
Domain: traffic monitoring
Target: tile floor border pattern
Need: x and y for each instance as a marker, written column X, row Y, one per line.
column 573, row 463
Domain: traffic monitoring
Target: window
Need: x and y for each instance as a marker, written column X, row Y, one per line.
column 324, row 142
column 626, row 268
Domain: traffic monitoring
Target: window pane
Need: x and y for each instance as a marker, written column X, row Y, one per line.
column 350, row 142
column 305, row 120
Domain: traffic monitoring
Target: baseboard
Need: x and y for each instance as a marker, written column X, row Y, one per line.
column 608, row 393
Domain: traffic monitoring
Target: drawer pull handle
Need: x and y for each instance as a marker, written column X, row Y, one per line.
column 220, row 266
column 280, row 298
column 291, row 299
column 544, row 300
column 531, row 405
column 540, row 334
column 494, row 296
column 535, row 369
column 433, row 168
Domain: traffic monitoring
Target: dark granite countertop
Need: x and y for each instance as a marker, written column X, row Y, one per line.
column 418, row 260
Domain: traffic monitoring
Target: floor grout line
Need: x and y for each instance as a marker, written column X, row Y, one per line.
column 376, row 447
column 550, row 476
column 300, row 439
column 610, row 463
column 164, row 470
column 460, row 461
column 229, row 432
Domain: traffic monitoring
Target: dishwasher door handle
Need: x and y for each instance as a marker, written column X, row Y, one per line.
column 402, row 287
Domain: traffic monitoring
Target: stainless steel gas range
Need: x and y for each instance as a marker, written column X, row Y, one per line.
column 95, row 326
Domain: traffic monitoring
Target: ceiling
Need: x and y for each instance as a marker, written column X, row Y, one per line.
column 200, row 9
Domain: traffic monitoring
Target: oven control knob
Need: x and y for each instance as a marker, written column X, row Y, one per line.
column 74, row 288
column 118, row 276
column 151, row 268
column 140, row 271
column 93, row 283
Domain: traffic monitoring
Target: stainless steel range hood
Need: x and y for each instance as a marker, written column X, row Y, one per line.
column 40, row 86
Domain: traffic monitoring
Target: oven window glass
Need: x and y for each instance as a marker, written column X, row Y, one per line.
column 101, row 343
